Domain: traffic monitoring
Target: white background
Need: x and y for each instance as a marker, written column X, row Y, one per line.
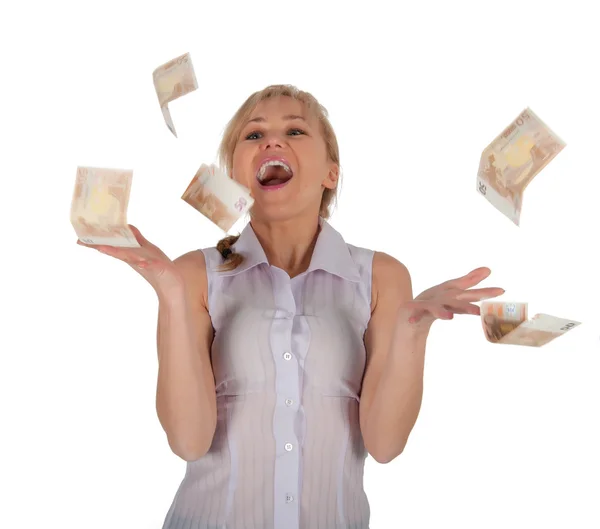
column 507, row 436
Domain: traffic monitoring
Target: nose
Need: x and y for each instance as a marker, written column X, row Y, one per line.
column 272, row 140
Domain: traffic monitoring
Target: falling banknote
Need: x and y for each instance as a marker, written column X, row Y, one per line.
column 513, row 159
column 99, row 207
column 507, row 323
column 172, row 80
column 218, row 197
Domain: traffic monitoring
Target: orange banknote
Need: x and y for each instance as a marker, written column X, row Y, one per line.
column 507, row 323
column 172, row 80
column 218, row 197
column 513, row 159
column 99, row 207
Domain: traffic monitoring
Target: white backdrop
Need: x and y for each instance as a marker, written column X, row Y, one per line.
column 507, row 436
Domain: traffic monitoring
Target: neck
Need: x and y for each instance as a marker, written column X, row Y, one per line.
column 288, row 244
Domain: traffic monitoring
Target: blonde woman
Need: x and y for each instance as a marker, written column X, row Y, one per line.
column 286, row 355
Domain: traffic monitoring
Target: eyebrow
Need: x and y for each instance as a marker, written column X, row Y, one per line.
column 288, row 117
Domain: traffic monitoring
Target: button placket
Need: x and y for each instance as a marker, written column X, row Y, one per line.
column 287, row 466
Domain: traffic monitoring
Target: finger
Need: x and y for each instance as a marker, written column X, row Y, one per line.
column 136, row 232
column 471, row 279
column 110, row 250
column 139, row 237
column 479, row 294
column 128, row 255
column 87, row 245
column 100, row 247
column 138, row 258
column 142, row 241
column 462, row 307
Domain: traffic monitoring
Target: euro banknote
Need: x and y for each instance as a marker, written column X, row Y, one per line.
column 507, row 323
column 218, row 197
column 173, row 80
column 99, row 206
column 513, row 159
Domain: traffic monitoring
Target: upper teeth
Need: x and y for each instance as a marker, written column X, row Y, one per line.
column 263, row 168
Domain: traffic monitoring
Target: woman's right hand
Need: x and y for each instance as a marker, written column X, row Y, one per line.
column 149, row 261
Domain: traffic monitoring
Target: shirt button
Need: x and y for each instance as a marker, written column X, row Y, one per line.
column 288, row 447
column 289, row 498
column 289, row 402
column 287, row 355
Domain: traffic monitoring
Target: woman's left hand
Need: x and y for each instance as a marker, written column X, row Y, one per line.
column 452, row 297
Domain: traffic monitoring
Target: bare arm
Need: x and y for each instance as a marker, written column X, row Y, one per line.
column 185, row 395
column 396, row 339
column 393, row 383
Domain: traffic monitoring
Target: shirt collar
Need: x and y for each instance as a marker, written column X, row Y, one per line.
column 331, row 253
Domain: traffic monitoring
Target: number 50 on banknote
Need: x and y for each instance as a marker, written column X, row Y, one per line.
column 218, row 197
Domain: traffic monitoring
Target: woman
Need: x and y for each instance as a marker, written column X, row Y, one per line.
column 286, row 355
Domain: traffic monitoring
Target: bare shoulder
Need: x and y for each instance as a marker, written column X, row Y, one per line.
column 192, row 260
column 192, row 266
column 390, row 278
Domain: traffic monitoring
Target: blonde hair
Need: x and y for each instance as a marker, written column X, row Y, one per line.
column 231, row 136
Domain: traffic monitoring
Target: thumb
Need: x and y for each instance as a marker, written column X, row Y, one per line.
column 138, row 235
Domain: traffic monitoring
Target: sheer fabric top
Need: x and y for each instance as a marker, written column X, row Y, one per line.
column 288, row 357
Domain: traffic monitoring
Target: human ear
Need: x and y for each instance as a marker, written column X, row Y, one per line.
column 333, row 175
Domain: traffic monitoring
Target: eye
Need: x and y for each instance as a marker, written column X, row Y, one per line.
column 254, row 135
column 249, row 136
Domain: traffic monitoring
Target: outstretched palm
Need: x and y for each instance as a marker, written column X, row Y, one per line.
column 148, row 260
column 455, row 296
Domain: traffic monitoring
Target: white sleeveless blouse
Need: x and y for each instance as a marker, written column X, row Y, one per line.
column 288, row 358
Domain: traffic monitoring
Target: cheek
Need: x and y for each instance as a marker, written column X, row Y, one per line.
column 316, row 172
column 239, row 171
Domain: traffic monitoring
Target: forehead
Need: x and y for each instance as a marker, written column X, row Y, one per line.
column 280, row 107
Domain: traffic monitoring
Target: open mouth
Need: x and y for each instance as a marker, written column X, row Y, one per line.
column 274, row 173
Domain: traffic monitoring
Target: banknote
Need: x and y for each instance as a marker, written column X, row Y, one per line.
column 99, row 207
column 218, row 197
column 172, row 80
column 513, row 159
column 507, row 323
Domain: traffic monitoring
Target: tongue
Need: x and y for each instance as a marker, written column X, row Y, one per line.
column 275, row 181
column 275, row 175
